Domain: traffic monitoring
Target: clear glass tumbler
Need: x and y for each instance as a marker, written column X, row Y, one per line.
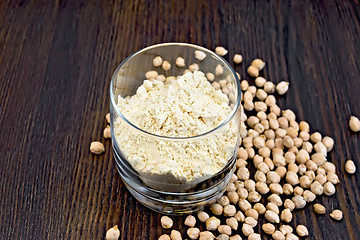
column 165, row 193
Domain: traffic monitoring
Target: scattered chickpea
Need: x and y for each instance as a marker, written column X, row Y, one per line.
column 175, row 235
column 97, row 147
column 253, row 71
column 244, row 85
column 318, row 158
column 216, row 209
column 275, row 199
column 235, row 237
column 157, row 61
column 240, row 163
column 302, row 230
column 321, row 178
column 212, row 224
column 273, row 177
column 239, row 216
column 107, row 132
column 286, row 215
column 202, row 216
column 193, row 233
column 222, row 237
column 298, row 190
column 292, row 178
column 237, row 58
column 350, row 166
column 206, row 235
column 273, row 207
column 319, row 209
column 224, row 229
column 261, row 95
column 161, row 78
column 232, row 222
column 270, row 164
column 304, row 126
column 289, row 204
column 254, row 236
column 354, row 124
column 221, row 51
column 247, row 229
column 299, row 201
column 275, row 109
column 333, row 178
column 252, row 213
column 180, row 62
column 219, row 70
column 268, row 228
column 309, row 196
column 262, row 187
column 282, row 87
column 243, row 173
column 260, row 106
column 166, row 65
column 272, row 216
column 317, row 188
column 328, row 142
column 251, row 221
column 164, row 237
column 200, row 55
column 329, row 189
column 166, row 222
column 258, row 63
column 252, row 90
column 233, row 197
column 210, row 76
column 305, row 181
column 269, row 87
column 216, row 85
column 107, row 117
column 281, row 171
column 190, row 221
column 270, row 101
column 113, row 233
column 286, row 229
column 194, row 67
column 229, row 211
column 329, row 167
column 288, row 189
column 277, row 235
column 291, row 236
column 320, row 147
column 248, row 105
column 251, row 152
column 151, row 75
column 223, row 201
column 250, row 184
column 315, row 137
column 244, row 204
column 336, row 214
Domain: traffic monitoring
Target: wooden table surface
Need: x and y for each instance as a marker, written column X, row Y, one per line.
column 56, row 61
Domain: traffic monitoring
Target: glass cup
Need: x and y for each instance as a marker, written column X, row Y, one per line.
column 159, row 188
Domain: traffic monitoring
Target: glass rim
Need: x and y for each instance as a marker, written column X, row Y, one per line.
column 224, row 123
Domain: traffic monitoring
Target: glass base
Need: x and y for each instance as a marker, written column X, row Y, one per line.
column 171, row 203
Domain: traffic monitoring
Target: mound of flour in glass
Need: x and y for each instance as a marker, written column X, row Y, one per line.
column 183, row 107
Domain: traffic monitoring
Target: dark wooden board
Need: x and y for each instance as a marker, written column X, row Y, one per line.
column 56, row 61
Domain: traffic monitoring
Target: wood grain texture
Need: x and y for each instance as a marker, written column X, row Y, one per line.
column 56, row 61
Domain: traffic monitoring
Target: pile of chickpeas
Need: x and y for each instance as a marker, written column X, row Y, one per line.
column 281, row 166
